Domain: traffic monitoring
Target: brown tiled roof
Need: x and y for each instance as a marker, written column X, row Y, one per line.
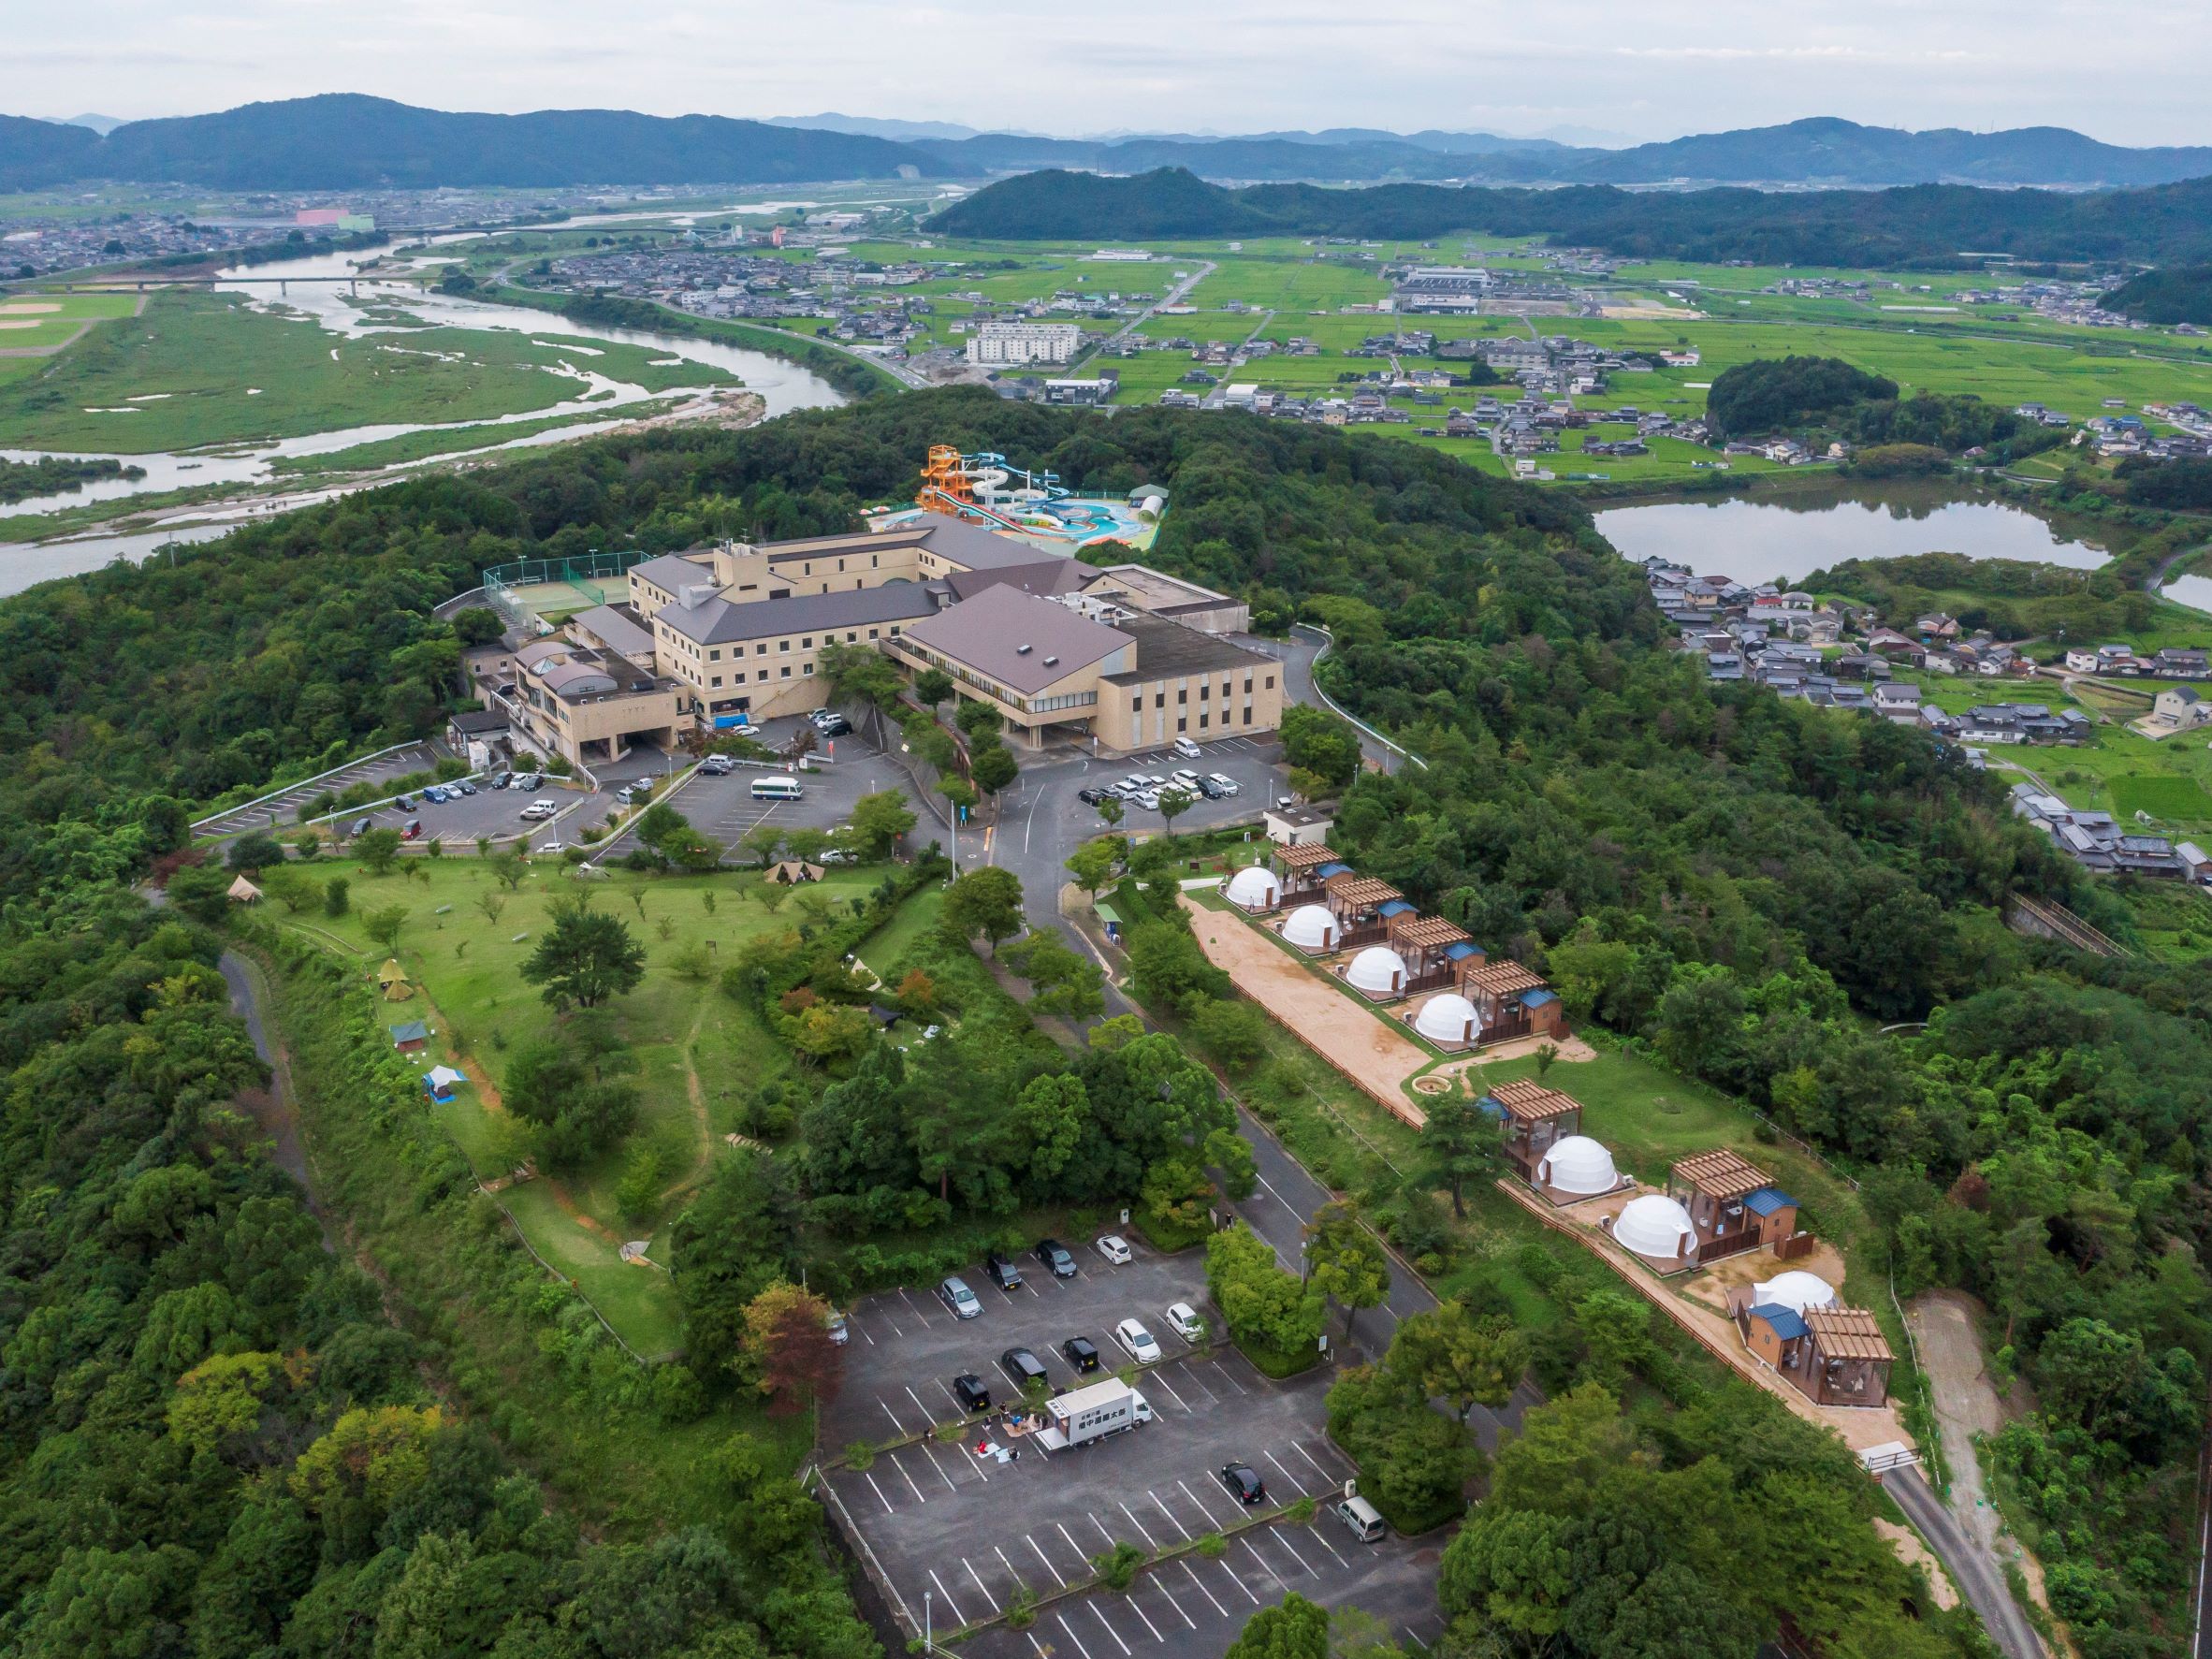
column 1428, row 932
column 1532, row 1102
column 1721, row 1175
column 1847, row 1333
column 1501, row 978
column 1352, row 888
column 1311, row 855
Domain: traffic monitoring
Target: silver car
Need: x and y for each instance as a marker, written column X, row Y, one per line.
column 953, row 1293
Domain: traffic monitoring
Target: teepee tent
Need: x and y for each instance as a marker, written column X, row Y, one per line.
column 393, row 979
column 244, row 892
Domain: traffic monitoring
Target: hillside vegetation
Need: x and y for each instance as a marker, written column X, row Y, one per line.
column 2171, row 294
column 1921, row 226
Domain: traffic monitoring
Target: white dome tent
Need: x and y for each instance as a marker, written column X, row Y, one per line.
column 1447, row 1018
column 1796, row 1289
column 1377, row 971
column 1656, row 1228
column 1254, row 889
column 1578, row 1164
column 1311, row 927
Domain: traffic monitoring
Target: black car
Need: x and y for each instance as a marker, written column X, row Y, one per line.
column 999, row 1269
column 969, row 1391
column 1243, row 1483
column 503, row 780
column 1022, row 1366
column 1090, row 797
column 835, row 726
column 1212, row 791
column 466, row 786
column 1055, row 1254
column 405, row 803
column 1082, row 1353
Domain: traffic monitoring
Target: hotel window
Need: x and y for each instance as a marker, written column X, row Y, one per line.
column 1202, row 721
column 1181, row 697
column 850, row 636
column 1248, row 687
column 806, row 644
column 717, row 680
column 1137, row 705
column 786, row 671
column 763, row 675
column 872, row 632
column 1225, row 688
column 784, row 644
column 1159, row 699
column 895, row 629
column 761, row 649
column 1204, row 692
column 1247, row 717
column 810, row 668
column 716, row 653
column 1271, row 682
column 1182, row 725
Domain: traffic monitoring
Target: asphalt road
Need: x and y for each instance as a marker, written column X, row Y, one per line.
column 1983, row 1587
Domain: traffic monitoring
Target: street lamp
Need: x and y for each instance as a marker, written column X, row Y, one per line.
column 926, row 1648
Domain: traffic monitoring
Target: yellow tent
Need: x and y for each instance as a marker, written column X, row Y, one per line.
column 393, row 981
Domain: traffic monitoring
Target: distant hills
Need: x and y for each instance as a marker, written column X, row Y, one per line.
column 2172, row 294
column 1928, row 225
column 345, row 141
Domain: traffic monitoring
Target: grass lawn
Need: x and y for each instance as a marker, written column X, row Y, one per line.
column 2179, row 799
column 697, row 1052
column 199, row 368
column 36, row 321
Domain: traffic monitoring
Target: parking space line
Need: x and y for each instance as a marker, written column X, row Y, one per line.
column 1201, row 1503
column 912, row 1307
column 1138, row 1524
column 1158, row 1581
column 939, row 1467
column 948, row 1596
column 1010, row 1567
column 1037, row 1648
column 1099, row 1614
column 1197, row 1382
column 1171, row 1515
column 946, row 1389
column 1073, row 1544
column 1047, row 1560
column 1160, row 1378
column 1148, row 1623
column 1255, row 1555
column 891, row 1413
column 919, row 1406
column 1203, row 1591
column 879, row 1491
column 1294, row 1555
column 909, row 1480
column 1071, row 1635
column 1286, row 1474
column 1232, row 1383
column 1111, row 1539
column 1316, row 1462
column 1315, row 1532
column 978, row 1584
column 1222, row 1561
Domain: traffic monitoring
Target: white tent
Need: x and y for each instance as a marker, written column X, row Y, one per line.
column 1255, row 889
column 1796, row 1289
column 1654, row 1225
column 1578, row 1164
column 443, row 1077
column 1447, row 1018
column 1311, row 927
column 1378, row 970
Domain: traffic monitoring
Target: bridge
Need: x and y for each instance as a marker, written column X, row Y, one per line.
column 119, row 285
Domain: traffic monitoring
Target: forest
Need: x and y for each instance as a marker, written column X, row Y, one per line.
column 1743, row 890
column 1820, row 400
column 1922, row 225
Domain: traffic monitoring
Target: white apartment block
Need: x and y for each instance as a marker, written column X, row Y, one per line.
column 1011, row 344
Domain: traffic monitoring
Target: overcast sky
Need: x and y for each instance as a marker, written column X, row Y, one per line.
column 2129, row 74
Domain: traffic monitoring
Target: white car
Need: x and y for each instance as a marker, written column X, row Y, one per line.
column 1222, row 781
column 839, row 1331
column 1184, row 1321
column 1149, row 800
column 1183, row 776
column 1186, row 749
column 1137, row 1342
column 550, row 847
column 1116, row 1249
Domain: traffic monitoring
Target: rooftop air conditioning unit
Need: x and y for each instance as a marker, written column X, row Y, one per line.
column 1051, row 662
column 1022, row 650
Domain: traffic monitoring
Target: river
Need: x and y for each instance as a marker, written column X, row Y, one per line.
column 782, row 387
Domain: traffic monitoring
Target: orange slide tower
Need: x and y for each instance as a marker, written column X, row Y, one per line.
column 945, row 482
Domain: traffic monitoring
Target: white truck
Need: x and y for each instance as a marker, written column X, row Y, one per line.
column 1082, row 1415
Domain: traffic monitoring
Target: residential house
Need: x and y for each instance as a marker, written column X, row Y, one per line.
column 2181, row 708
column 2190, row 663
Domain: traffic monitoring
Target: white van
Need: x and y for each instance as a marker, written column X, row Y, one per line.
column 1186, row 749
column 777, row 787
column 1361, row 1518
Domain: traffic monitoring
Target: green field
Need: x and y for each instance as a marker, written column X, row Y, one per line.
column 2174, row 800
column 201, row 368
column 697, row 1051
column 40, row 322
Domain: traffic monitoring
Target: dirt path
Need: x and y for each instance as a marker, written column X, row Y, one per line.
column 1967, row 1408
column 696, row 1092
column 1359, row 1042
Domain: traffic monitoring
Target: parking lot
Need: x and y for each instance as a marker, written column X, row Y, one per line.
column 966, row 1534
column 281, row 811
column 498, row 812
column 722, row 808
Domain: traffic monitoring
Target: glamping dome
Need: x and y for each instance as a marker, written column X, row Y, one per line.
column 1311, row 927
column 1578, row 1164
column 1255, row 889
column 1654, row 1225
column 1378, row 970
column 1796, row 1289
column 1447, row 1018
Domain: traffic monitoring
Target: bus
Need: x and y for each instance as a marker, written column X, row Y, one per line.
column 777, row 787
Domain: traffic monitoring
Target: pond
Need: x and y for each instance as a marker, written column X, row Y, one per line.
column 1786, row 538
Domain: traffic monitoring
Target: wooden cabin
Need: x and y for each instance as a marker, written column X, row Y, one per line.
column 1357, row 902
column 1834, row 1356
column 1713, row 1186
column 1298, row 868
column 1511, row 1001
column 1534, row 1120
column 1424, row 941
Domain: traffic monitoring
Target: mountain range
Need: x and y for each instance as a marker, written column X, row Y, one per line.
column 1922, row 225
column 346, row 142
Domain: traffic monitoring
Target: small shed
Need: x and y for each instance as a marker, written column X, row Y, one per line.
column 791, row 872
column 1294, row 826
column 411, row 1038
column 1848, row 1359
column 244, row 892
